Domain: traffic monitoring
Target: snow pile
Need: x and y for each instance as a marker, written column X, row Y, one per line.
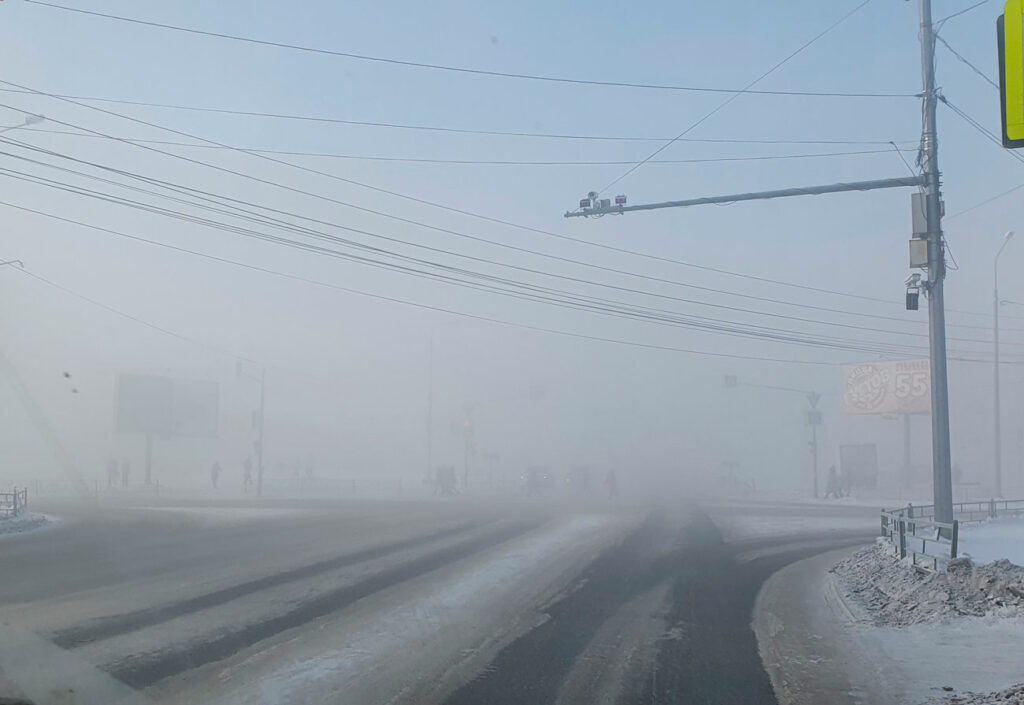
column 1014, row 695
column 994, row 539
column 895, row 593
column 22, row 523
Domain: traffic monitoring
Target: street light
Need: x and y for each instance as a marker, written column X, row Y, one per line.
column 262, row 379
column 995, row 343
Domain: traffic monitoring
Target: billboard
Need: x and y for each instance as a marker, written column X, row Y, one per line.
column 165, row 406
column 890, row 387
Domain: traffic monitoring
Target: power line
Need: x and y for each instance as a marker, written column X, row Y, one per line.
column 306, row 231
column 737, row 94
column 415, row 304
column 478, row 162
column 959, row 12
column 455, row 130
column 963, row 60
column 988, row 200
column 136, row 319
column 406, row 197
column 591, row 304
column 454, row 69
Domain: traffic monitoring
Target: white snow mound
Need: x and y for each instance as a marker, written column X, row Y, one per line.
column 894, row 593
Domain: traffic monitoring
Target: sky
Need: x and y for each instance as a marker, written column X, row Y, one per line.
column 349, row 375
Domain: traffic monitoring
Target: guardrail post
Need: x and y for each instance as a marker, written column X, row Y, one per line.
column 910, row 514
column 884, row 525
column 956, row 539
column 991, row 509
column 903, row 538
column 15, row 505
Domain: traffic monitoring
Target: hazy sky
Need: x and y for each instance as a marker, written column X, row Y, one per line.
column 347, row 374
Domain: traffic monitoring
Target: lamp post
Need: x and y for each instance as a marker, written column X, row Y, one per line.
column 997, row 436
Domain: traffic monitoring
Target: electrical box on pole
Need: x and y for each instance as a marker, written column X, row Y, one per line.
column 1010, row 42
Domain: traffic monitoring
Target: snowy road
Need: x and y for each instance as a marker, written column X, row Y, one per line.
column 397, row 602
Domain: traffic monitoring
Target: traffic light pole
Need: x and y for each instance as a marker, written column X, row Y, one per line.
column 942, row 474
column 928, row 181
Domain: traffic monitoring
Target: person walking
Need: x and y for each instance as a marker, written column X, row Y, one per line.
column 832, row 486
column 214, row 474
column 613, row 484
column 247, row 474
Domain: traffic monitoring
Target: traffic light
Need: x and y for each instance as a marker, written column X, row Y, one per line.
column 1010, row 42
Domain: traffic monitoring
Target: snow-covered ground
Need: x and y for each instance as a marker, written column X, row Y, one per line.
column 893, row 592
column 820, row 646
column 991, row 540
column 735, row 528
column 446, row 622
column 221, row 515
column 24, row 523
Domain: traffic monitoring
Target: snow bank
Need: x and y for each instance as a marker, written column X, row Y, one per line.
column 23, row 524
column 895, row 593
column 1013, row 695
column 994, row 539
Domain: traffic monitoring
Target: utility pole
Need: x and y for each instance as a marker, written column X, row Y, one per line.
column 814, row 419
column 942, row 474
column 259, row 441
column 430, row 410
column 928, row 182
column 997, row 416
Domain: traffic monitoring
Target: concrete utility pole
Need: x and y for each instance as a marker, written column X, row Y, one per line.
column 997, row 420
column 928, row 181
column 259, row 442
column 942, row 473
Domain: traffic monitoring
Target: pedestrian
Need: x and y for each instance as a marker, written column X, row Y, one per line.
column 214, row 473
column 832, row 488
column 126, row 469
column 112, row 472
column 613, row 484
column 247, row 475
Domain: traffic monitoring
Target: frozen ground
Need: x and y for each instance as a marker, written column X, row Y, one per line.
column 818, row 646
column 1013, row 695
column 744, row 527
column 893, row 592
column 24, row 523
column 991, row 540
column 416, row 628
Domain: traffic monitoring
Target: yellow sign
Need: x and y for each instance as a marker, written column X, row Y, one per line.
column 1010, row 38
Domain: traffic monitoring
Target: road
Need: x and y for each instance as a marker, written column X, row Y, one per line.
column 463, row 601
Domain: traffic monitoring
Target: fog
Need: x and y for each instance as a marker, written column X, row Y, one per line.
column 377, row 385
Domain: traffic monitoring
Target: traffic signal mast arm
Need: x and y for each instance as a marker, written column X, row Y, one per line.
column 597, row 208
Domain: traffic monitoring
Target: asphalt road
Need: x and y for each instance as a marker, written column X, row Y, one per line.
column 464, row 601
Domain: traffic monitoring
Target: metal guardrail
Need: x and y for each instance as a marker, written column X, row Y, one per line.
column 909, row 528
column 14, row 502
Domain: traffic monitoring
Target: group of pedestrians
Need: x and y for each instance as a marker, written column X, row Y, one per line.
column 247, row 476
column 118, row 475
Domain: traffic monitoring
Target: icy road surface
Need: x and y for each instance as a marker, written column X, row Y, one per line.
column 451, row 602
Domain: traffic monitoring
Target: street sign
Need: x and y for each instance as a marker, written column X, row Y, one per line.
column 1010, row 43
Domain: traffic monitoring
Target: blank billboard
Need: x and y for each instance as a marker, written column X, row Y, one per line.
column 165, row 406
